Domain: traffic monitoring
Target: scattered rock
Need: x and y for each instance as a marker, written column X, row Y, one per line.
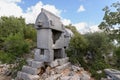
column 75, row 68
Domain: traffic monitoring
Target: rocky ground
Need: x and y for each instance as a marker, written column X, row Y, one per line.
column 4, row 72
column 71, row 73
column 50, row 73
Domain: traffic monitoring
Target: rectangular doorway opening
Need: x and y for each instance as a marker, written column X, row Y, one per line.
column 57, row 53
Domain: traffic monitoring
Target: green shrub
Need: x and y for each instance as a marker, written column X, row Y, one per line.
column 117, row 53
column 19, row 62
column 6, row 57
column 96, row 75
column 100, row 65
column 16, row 45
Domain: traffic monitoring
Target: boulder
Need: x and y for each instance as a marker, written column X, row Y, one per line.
column 63, row 61
column 29, row 62
column 37, row 64
column 30, row 70
column 25, row 76
column 59, row 69
column 54, row 63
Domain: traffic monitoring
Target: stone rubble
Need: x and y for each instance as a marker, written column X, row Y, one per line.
column 66, row 74
column 59, row 69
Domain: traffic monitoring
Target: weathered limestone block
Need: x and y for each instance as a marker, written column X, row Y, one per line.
column 59, row 69
column 36, row 64
column 37, row 55
column 30, row 70
column 40, row 58
column 46, row 57
column 54, row 63
column 63, row 61
column 25, row 76
column 29, row 62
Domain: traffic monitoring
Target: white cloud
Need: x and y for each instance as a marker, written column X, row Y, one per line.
column 33, row 11
column 81, row 8
column 66, row 21
column 52, row 9
column 10, row 1
column 81, row 27
column 94, row 28
column 84, row 27
column 10, row 8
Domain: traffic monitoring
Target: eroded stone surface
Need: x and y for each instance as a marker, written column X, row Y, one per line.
column 63, row 61
column 30, row 70
column 37, row 64
column 54, row 63
column 62, row 67
column 25, row 76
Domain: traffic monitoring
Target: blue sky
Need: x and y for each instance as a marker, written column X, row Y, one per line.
column 86, row 15
column 93, row 8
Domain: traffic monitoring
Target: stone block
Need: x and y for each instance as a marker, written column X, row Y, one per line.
column 37, row 55
column 30, row 70
column 54, row 63
column 25, row 76
column 37, row 64
column 63, row 61
column 39, row 58
column 29, row 62
column 59, row 69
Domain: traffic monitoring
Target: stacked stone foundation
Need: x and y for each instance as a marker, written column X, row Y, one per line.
column 34, row 68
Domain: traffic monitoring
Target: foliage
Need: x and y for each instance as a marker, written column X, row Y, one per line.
column 90, row 50
column 16, row 39
column 72, row 28
column 111, row 20
column 110, row 25
column 6, row 57
column 30, row 35
column 99, row 43
column 97, row 76
column 77, row 46
column 16, row 45
column 30, row 32
column 11, row 25
column 117, row 52
column 19, row 64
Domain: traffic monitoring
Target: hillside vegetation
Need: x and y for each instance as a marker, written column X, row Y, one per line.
column 94, row 51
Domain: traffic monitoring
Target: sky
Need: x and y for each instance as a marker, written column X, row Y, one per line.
column 85, row 15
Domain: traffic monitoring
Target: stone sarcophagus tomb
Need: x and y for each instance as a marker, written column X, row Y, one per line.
column 52, row 40
column 52, row 37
